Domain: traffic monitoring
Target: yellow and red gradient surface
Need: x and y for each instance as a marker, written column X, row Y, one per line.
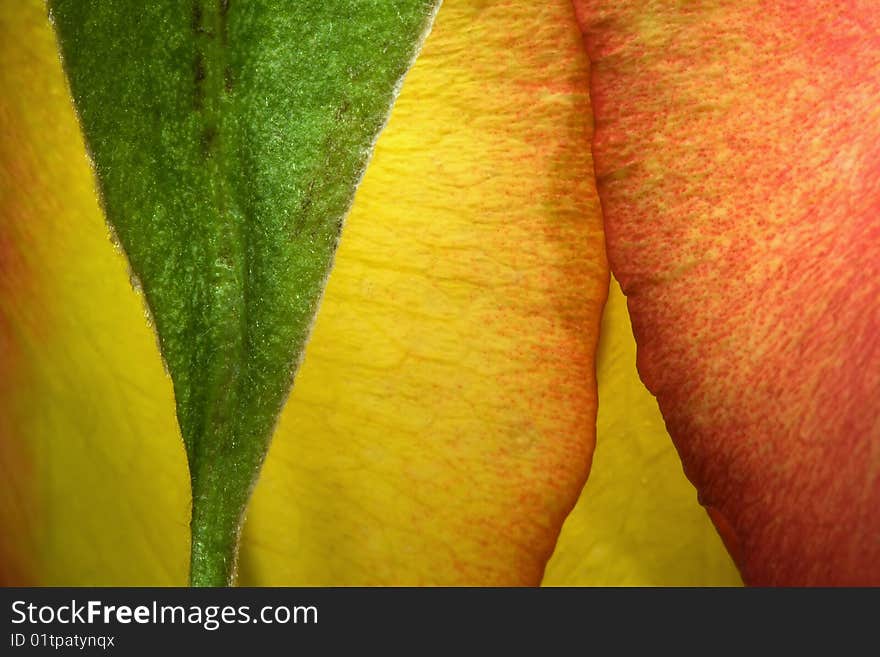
column 737, row 154
column 442, row 424
column 461, row 436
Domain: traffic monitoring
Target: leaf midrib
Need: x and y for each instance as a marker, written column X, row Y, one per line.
column 212, row 97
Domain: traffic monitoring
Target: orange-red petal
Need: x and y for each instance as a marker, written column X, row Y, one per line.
column 737, row 150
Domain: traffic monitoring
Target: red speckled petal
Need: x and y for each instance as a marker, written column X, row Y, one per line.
column 737, row 150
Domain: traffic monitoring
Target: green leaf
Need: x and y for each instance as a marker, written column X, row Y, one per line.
column 228, row 137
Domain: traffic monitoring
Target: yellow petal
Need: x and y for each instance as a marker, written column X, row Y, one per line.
column 442, row 424
column 94, row 488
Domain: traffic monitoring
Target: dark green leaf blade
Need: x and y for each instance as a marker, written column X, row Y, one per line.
column 227, row 139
